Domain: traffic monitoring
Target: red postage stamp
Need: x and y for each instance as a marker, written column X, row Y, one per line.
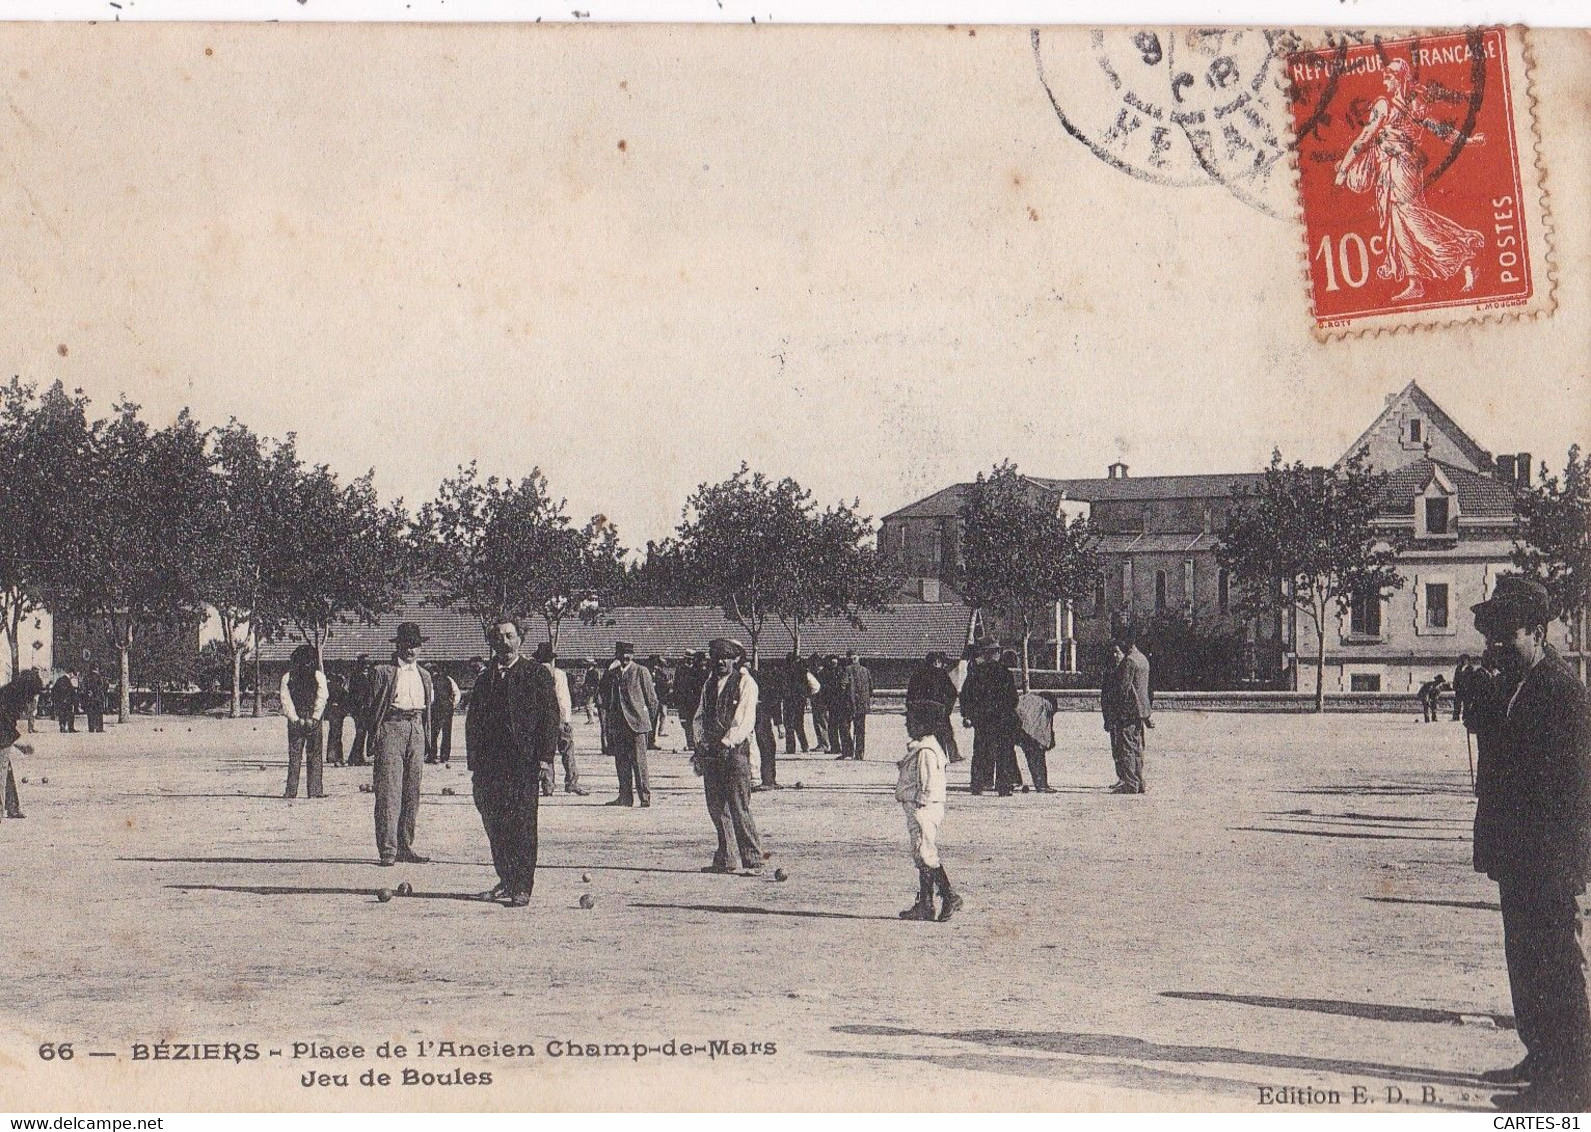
column 1420, row 199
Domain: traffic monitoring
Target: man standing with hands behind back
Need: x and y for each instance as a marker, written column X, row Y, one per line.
column 510, row 736
column 399, row 715
column 629, row 710
column 1533, row 837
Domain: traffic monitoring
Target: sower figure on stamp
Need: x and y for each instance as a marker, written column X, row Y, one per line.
column 399, row 715
column 1124, row 701
column 548, row 659
column 725, row 719
column 15, row 700
column 511, row 737
column 629, row 710
column 1533, row 837
column 304, row 694
column 920, row 789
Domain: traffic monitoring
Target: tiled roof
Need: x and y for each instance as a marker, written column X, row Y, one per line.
column 1478, row 496
column 901, row 632
column 947, row 503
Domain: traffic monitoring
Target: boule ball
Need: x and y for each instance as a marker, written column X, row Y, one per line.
column 447, row 790
column 384, row 895
column 24, row 780
column 587, row 901
column 780, row 874
column 585, row 878
column 798, row 785
column 405, row 889
column 44, row 781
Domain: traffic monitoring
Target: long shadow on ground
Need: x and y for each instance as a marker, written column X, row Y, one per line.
column 747, row 910
column 1352, row 836
column 306, row 890
column 1380, row 1012
column 1477, row 905
column 1120, row 1046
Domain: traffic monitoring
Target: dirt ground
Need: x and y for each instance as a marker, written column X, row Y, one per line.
column 1291, row 906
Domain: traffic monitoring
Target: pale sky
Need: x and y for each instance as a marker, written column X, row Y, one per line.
column 871, row 260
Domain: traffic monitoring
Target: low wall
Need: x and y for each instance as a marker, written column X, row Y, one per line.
column 1397, row 703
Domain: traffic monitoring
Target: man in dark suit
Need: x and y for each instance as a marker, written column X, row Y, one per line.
column 1533, row 837
column 859, row 684
column 687, row 692
column 988, row 706
column 442, row 709
column 510, row 734
column 95, row 689
column 770, row 702
column 63, row 700
column 931, row 690
column 398, row 712
column 819, row 700
column 1124, row 702
column 358, row 700
column 629, row 708
column 794, row 708
column 837, row 699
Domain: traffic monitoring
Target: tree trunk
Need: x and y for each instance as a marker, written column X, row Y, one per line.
column 237, row 680
column 16, row 644
column 1320, row 662
column 1027, row 672
column 124, row 700
column 257, row 711
column 795, row 639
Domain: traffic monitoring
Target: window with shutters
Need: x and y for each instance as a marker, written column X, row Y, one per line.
column 1364, row 618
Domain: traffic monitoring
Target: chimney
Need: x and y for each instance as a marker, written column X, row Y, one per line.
column 1118, row 471
column 1522, row 470
column 1507, row 469
column 929, row 589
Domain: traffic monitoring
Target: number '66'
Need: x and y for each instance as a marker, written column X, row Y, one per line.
column 55, row 1051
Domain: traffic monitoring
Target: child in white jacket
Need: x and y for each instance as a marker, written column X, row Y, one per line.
column 921, row 793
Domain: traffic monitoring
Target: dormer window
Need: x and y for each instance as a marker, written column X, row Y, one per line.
column 1416, row 431
column 1436, row 508
column 1436, row 517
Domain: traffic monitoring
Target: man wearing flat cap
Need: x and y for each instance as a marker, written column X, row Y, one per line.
column 629, row 710
column 398, row 713
column 1533, row 837
column 725, row 719
column 510, row 738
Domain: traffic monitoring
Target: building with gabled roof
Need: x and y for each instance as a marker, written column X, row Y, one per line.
column 1449, row 512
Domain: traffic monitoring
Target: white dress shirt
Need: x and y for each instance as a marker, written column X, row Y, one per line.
column 322, row 694
column 408, row 689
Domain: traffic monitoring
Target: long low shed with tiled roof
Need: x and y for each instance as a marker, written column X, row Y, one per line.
column 891, row 640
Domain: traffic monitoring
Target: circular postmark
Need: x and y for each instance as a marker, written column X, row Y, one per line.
column 1177, row 107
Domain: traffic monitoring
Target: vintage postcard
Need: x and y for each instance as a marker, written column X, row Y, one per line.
column 794, row 568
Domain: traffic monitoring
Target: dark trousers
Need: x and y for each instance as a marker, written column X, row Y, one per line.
column 96, row 717
column 400, row 759
column 767, row 750
column 629, row 754
column 859, row 733
column 946, row 734
column 726, row 782
column 687, row 723
column 334, row 740
column 795, row 726
column 13, row 806
column 820, row 727
column 1547, row 975
column 841, row 736
column 508, row 805
column 1127, row 749
column 1038, row 764
column 441, row 735
column 566, row 750
column 67, row 718
column 994, row 757
column 361, row 748
column 304, row 737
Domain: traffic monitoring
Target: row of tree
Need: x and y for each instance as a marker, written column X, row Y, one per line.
column 127, row 526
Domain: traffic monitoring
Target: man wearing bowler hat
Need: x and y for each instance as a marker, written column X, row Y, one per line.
column 725, row 719
column 1533, row 837
column 510, row 738
column 398, row 713
column 629, row 710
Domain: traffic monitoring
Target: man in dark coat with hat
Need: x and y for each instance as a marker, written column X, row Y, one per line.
column 688, row 681
column 511, row 736
column 16, row 700
column 398, row 713
column 931, row 690
column 63, row 700
column 304, row 695
column 358, row 702
column 725, row 720
column 629, row 710
column 988, row 706
column 1533, row 837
